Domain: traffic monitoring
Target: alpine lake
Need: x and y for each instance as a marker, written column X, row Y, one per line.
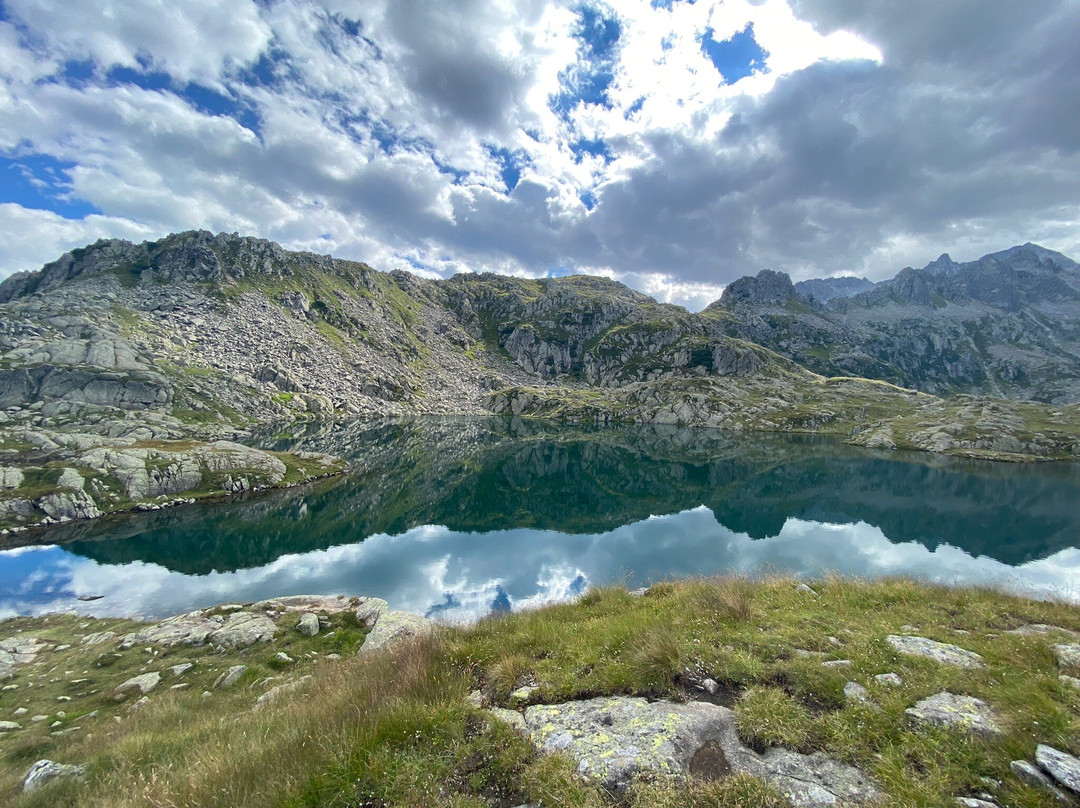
column 459, row 517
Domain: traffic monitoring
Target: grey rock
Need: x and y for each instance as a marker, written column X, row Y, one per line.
column 330, row 604
column 613, row 739
column 941, row 652
column 1072, row 681
column 837, row 663
column 1043, row 630
column 1033, row 775
column 523, row 695
column 45, row 770
column 1068, row 654
column 230, row 677
column 963, row 713
column 242, row 629
column 70, row 478
column 98, row 637
column 475, row 699
column 394, row 627
column 1061, row 766
column 853, row 691
column 275, row 693
column 185, row 629
column 181, row 669
column 66, row 505
column 369, row 610
column 144, row 683
column 309, row 624
column 973, row 802
column 281, row 656
column 9, row 726
column 10, row 478
column 891, row 679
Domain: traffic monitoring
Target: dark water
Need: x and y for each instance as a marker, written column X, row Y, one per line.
column 461, row 516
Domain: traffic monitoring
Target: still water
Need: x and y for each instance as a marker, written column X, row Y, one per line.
column 456, row 517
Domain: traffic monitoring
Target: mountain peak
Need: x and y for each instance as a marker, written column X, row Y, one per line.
column 768, row 286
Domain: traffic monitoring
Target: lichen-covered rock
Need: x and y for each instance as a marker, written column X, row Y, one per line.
column 1068, row 654
column 330, row 604
column 66, row 505
column 17, row 651
column 277, row 692
column 10, row 478
column 945, row 653
column 309, row 624
column 243, row 628
column 1033, row 775
column 964, row 713
column 393, row 627
column 45, row 770
column 184, row 629
column 1061, row 766
column 613, row 739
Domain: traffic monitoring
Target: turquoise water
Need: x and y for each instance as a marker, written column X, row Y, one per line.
column 457, row 517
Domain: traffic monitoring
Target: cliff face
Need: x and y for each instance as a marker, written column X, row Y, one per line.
column 1006, row 325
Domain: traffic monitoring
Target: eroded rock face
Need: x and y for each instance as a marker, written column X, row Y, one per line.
column 615, row 738
column 185, row 629
column 944, row 653
column 1061, row 766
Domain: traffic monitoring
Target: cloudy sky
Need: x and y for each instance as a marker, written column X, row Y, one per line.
column 674, row 145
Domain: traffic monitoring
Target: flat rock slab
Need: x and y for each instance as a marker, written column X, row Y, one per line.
column 963, row 713
column 330, row 604
column 1042, row 630
column 393, row 627
column 615, row 738
column 243, row 628
column 1068, row 654
column 941, row 652
column 144, row 683
column 1061, row 766
column 369, row 610
column 184, row 629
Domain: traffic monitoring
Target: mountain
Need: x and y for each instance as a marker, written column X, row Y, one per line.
column 825, row 289
column 1005, row 325
column 123, row 365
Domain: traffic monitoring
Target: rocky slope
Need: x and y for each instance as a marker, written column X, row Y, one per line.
column 1006, row 325
column 211, row 338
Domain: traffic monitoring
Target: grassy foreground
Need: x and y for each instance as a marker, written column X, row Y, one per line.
column 395, row 729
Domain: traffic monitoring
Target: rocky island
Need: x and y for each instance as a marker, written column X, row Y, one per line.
column 141, row 375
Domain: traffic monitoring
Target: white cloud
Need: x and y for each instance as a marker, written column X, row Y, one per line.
column 864, row 145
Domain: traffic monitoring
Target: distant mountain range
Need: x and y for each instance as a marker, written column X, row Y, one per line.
column 1005, row 325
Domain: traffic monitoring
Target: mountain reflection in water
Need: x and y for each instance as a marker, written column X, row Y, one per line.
column 459, row 516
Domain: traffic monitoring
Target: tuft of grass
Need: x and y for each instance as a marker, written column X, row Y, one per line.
column 654, row 652
column 767, row 716
column 730, row 598
column 737, row 791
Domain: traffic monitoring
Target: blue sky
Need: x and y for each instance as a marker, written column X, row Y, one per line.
column 671, row 145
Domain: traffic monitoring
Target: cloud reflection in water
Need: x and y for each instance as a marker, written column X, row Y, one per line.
column 461, row 575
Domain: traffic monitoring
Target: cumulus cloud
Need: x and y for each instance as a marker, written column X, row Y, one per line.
column 548, row 135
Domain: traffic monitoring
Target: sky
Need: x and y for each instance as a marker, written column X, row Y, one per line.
column 673, row 145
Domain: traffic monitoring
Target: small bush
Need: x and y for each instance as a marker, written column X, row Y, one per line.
column 654, row 654
column 724, row 599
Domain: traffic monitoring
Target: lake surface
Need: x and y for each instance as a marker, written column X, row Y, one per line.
column 456, row 517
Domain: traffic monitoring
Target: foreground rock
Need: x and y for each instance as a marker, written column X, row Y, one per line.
column 964, row 713
column 394, row 627
column 941, row 652
column 1061, row 766
column 613, row 739
column 45, row 770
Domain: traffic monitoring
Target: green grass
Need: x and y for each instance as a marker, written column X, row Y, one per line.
column 395, row 729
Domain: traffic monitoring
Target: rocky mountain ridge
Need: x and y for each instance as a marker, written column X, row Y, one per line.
column 1006, row 325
